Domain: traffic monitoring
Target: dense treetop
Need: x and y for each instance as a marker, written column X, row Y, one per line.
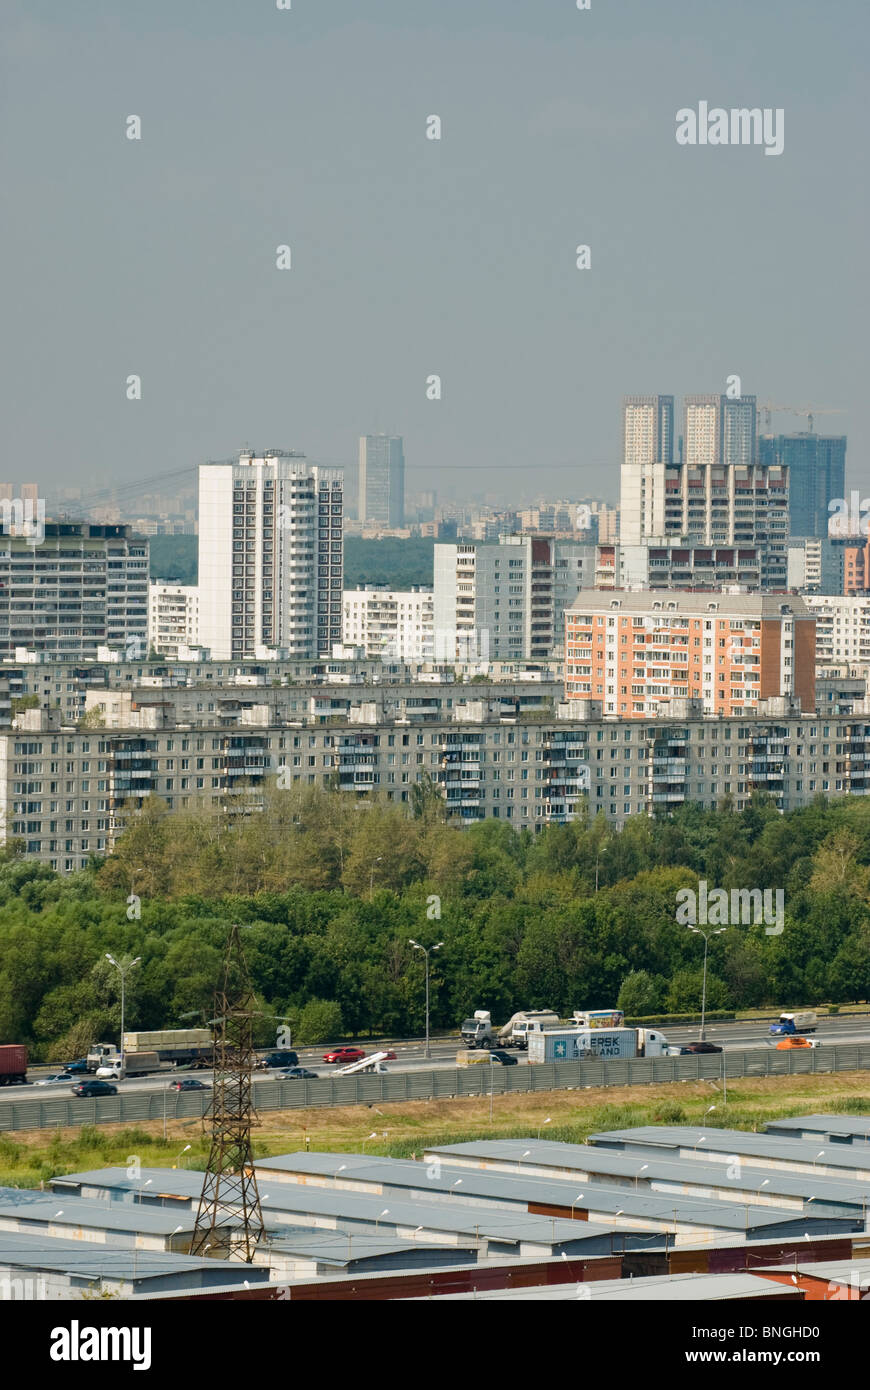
column 331, row 890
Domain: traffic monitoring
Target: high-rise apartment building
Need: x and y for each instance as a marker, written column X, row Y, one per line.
column 507, row 600
column 81, row 587
column 381, row 479
column 817, row 476
column 637, row 652
column 270, row 556
column 716, row 496
column 719, row 429
column 647, row 429
column 647, row 450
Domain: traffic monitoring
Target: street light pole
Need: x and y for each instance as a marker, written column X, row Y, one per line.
column 426, row 952
column 698, row 932
column 122, row 970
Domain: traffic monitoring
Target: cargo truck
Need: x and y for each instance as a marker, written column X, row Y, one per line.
column 176, row 1045
column 599, row 1044
column 598, row 1018
column 13, row 1064
column 134, row 1064
column 787, row 1024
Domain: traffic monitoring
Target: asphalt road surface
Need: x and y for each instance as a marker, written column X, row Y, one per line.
column 411, row 1056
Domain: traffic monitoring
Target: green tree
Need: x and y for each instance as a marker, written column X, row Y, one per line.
column 320, row 1021
column 641, row 994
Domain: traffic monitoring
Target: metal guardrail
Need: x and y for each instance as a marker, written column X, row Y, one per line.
column 135, row 1107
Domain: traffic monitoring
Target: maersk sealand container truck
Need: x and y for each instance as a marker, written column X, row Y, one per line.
column 598, row 1044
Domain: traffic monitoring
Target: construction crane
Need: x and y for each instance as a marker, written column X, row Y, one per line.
column 811, row 413
column 767, row 408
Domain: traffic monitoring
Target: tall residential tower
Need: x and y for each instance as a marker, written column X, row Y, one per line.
column 270, row 556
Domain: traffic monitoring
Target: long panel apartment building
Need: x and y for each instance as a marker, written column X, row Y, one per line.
column 67, row 793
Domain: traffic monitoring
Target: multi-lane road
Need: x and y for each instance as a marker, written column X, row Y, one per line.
column 733, row 1037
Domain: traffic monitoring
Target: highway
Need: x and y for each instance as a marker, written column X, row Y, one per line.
column 733, row 1037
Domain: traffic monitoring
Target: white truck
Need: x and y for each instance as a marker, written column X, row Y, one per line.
column 524, row 1025
column 477, row 1031
column 599, row 1044
column 134, row 1064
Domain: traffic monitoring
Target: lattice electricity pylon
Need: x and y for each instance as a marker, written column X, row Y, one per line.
column 230, row 1220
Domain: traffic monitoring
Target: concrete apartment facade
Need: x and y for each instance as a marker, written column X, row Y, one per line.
column 67, row 793
column 83, row 586
column 637, row 652
column 390, row 623
column 270, row 556
column 506, row 601
column 173, row 618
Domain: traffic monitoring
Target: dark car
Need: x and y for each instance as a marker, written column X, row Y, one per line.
column 94, row 1088
column 344, row 1054
column 699, row 1047
column 504, row 1057
column 78, row 1067
column 285, row 1058
column 189, row 1083
column 298, row 1074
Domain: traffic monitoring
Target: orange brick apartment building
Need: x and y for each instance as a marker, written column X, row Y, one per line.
column 638, row 651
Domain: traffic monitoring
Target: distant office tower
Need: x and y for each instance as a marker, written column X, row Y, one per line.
column 381, row 479
column 270, row 556
column 817, row 476
column 647, row 448
column 81, row 588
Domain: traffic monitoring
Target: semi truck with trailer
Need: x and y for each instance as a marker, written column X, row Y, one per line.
column 13, row 1064
column 177, row 1046
column 598, row 1044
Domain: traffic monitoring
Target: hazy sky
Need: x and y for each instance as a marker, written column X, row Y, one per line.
column 410, row 257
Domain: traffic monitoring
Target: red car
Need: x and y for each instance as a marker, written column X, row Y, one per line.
column 344, row 1054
